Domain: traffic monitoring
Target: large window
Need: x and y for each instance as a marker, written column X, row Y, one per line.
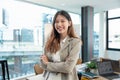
column 113, row 29
column 96, row 35
column 22, row 34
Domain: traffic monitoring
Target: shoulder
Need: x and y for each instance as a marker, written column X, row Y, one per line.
column 75, row 41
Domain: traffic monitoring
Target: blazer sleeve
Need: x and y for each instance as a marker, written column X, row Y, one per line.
column 70, row 63
column 42, row 64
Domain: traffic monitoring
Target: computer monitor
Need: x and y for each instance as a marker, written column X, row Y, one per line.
column 115, row 64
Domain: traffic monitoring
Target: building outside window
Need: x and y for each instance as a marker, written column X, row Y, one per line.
column 96, row 35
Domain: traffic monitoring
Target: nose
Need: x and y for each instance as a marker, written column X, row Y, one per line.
column 59, row 23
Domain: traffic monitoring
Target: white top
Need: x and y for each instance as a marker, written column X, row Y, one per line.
column 35, row 77
column 56, row 58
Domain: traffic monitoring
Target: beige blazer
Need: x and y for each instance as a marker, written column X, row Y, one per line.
column 69, row 55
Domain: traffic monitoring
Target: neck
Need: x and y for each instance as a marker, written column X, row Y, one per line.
column 63, row 37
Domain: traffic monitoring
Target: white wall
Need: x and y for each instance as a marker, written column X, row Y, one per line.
column 114, row 55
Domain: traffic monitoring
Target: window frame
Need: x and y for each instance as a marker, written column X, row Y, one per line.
column 107, row 32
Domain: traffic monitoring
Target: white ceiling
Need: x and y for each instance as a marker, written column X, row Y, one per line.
column 75, row 5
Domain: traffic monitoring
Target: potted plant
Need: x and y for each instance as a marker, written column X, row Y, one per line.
column 92, row 66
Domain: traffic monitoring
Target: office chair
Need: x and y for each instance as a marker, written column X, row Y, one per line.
column 79, row 61
column 38, row 69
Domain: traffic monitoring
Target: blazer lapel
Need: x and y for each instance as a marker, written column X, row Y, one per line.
column 65, row 44
column 63, row 52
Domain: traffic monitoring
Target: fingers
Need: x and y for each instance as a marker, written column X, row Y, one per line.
column 44, row 59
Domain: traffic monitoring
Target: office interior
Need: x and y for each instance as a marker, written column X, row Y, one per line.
column 24, row 25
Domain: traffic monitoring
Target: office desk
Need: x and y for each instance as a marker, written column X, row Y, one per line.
column 98, row 78
column 81, row 67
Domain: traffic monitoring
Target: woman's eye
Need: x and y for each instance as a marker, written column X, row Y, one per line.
column 62, row 21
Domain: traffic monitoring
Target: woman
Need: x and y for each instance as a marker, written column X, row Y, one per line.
column 61, row 50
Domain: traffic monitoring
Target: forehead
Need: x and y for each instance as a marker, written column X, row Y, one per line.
column 59, row 17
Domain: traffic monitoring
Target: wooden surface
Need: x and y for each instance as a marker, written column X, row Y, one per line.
column 97, row 78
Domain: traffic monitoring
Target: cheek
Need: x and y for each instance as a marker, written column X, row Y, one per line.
column 55, row 27
column 66, row 28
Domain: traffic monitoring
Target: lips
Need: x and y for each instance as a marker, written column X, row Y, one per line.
column 59, row 29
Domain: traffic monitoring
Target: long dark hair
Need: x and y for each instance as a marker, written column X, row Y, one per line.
column 53, row 42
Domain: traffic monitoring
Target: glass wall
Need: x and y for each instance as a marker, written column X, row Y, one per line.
column 22, row 28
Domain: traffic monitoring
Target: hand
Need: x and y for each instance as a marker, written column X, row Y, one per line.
column 44, row 59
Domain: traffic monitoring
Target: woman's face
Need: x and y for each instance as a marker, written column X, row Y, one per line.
column 61, row 25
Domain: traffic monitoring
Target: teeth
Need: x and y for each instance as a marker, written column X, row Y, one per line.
column 60, row 29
